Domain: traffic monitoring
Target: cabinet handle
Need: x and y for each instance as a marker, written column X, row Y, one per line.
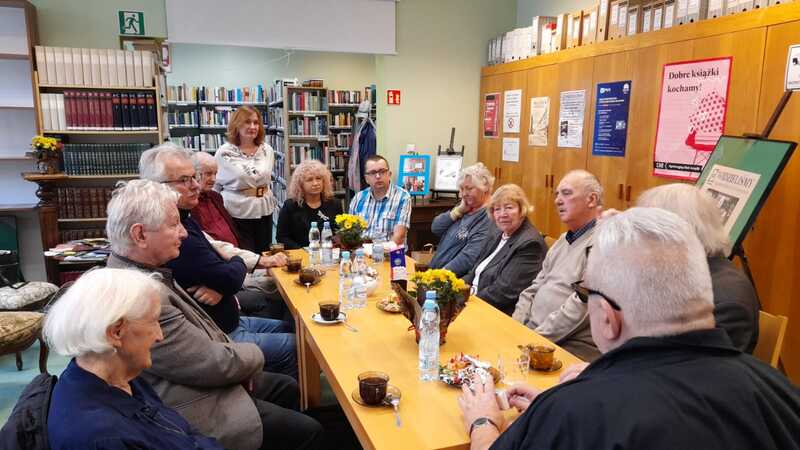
column 619, row 193
column 546, row 179
column 628, row 194
column 552, row 181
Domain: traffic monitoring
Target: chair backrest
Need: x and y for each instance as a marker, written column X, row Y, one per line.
column 26, row 428
column 771, row 331
column 549, row 241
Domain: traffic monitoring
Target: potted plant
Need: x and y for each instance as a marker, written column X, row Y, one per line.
column 452, row 294
column 46, row 150
column 350, row 228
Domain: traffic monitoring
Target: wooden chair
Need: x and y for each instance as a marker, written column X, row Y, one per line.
column 549, row 241
column 771, row 331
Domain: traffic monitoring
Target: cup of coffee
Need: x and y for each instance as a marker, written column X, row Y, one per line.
column 329, row 310
column 308, row 275
column 276, row 248
column 372, row 387
column 542, row 357
column 294, row 264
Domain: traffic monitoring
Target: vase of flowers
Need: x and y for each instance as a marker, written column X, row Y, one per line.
column 452, row 294
column 350, row 228
column 47, row 151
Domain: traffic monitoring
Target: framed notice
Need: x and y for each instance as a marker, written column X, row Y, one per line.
column 739, row 176
column 447, row 170
column 491, row 104
column 415, row 173
column 691, row 116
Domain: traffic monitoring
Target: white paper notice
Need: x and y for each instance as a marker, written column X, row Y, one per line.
column 793, row 69
column 657, row 18
column 540, row 120
column 669, row 15
column 511, row 149
column 570, row 119
column 512, row 105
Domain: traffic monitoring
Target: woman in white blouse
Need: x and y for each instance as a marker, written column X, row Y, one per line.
column 245, row 178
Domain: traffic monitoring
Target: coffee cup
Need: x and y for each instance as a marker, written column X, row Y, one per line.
column 372, row 387
column 294, row 265
column 542, row 357
column 329, row 310
column 308, row 276
column 274, row 249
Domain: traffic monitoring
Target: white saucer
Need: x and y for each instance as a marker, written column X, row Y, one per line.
column 317, row 318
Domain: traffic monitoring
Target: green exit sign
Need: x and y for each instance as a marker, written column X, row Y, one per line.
column 131, row 23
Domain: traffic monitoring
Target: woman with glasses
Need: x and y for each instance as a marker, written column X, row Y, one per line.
column 245, row 176
column 512, row 254
column 310, row 199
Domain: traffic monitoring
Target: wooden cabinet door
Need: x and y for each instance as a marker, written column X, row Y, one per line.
column 542, row 82
column 511, row 171
column 490, row 149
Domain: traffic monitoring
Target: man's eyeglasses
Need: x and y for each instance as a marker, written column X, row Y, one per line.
column 185, row 180
column 376, row 173
column 583, row 294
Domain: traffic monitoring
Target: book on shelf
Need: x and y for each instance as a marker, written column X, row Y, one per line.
column 307, row 101
column 99, row 111
column 337, row 97
column 337, row 160
column 342, row 139
column 183, row 118
column 343, row 119
column 103, row 159
column 308, row 126
column 314, row 83
column 94, row 67
column 187, row 142
column 183, row 93
column 302, row 152
column 82, row 202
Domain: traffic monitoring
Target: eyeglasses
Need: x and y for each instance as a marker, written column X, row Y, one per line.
column 583, row 294
column 185, row 180
column 377, row 173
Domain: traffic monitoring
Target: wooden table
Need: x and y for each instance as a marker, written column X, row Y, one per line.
column 430, row 412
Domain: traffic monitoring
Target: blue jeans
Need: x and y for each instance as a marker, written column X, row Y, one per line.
column 275, row 339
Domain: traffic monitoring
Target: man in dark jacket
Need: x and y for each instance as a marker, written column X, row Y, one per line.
column 667, row 378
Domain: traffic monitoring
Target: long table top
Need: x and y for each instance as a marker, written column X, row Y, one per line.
column 429, row 410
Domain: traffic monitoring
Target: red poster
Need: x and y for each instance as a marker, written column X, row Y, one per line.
column 393, row 97
column 492, row 103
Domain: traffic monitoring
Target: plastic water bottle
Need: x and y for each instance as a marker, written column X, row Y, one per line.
column 377, row 250
column 429, row 339
column 327, row 244
column 313, row 245
column 359, row 269
column 345, row 282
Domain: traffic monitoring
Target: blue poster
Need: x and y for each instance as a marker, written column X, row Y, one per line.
column 611, row 118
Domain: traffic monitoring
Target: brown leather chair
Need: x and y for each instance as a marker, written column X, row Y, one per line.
column 771, row 331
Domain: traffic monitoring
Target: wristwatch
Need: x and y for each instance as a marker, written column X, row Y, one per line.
column 481, row 421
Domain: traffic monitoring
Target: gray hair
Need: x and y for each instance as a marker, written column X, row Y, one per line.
column 203, row 159
column 479, row 175
column 136, row 201
column 694, row 206
column 588, row 182
column 152, row 163
column 650, row 262
column 77, row 321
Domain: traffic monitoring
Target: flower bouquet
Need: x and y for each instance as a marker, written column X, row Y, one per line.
column 46, row 151
column 452, row 294
column 350, row 228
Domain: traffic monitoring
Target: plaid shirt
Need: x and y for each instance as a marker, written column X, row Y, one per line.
column 384, row 214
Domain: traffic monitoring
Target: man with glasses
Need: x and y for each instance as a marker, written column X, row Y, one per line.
column 385, row 207
column 549, row 305
column 667, row 379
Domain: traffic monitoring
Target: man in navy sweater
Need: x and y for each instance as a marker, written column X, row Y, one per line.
column 212, row 280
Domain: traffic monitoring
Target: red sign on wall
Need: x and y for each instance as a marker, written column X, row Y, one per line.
column 393, row 97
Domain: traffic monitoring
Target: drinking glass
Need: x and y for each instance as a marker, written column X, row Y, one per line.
column 523, row 363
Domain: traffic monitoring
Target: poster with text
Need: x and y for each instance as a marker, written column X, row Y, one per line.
column 570, row 119
column 611, row 118
column 491, row 103
column 540, row 120
column 691, row 117
column 511, row 149
column 512, row 107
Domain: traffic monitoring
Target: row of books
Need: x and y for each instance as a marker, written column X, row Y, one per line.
column 344, row 97
column 274, row 119
column 338, row 184
column 103, row 159
column 307, row 101
column 81, row 110
column 337, row 160
column 81, row 233
column 82, row 203
column 609, row 20
column 276, row 90
column 276, row 141
column 218, row 94
column 191, row 142
column 278, row 167
column 94, row 67
column 188, row 118
column 308, row 126
column 342, row 140
column 314, row 82
column 344, row 119
column 302, row 152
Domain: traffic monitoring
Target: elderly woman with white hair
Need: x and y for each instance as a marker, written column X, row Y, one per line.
column 107, row 322
column 736, row 305
column 463, row 229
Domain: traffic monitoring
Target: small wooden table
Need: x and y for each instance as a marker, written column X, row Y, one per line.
column 429, row 410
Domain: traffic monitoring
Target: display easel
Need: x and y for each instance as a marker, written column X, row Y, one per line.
column 449, row 151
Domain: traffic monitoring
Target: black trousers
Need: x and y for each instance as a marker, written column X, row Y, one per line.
column 277, row 399
column 255, row 234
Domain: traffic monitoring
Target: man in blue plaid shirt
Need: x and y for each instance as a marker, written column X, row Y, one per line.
column 385, row 206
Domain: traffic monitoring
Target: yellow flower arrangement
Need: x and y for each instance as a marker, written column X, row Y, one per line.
column 350, row 229
column 443, row 281
column 45, row 147
column 348, row 221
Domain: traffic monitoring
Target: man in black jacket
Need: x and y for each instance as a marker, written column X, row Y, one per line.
column 667, row 378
